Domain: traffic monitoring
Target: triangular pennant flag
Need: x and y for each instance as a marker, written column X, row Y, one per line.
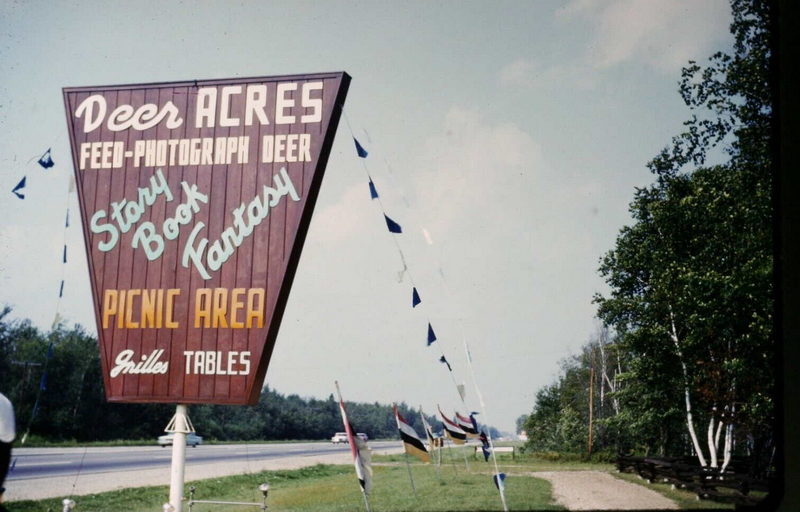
column 415, row 298
column 431, row 334
column 45, row 160
column 443, row 360
column 392, row 225
column 499, row 480
column 258, row 218
column 359, row 149
column 461, row 391
column 373, row 192
column 43, row 382
column 51, row 349
column 71, row 184
column 66, row 221
column 65, row 254
column 20, row 186
column 61, row 290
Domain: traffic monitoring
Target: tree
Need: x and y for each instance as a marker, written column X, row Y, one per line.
column 691, row 278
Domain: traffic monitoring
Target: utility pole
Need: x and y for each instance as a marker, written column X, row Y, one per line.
column 591, row 406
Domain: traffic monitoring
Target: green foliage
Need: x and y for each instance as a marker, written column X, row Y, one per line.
column 690, row 300
column 72, row 405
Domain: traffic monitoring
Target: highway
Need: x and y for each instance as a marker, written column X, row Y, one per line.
column 50, row 472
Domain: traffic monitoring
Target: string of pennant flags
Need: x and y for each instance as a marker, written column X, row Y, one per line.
column 457, row 430
column 45, row 161
column 460, row 427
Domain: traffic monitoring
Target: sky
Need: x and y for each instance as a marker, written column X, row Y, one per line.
column 507, row 138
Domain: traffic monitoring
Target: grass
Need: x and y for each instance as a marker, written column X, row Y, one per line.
column 332, row 488
column 684, row 499
column 335, row 488
column 508, row 462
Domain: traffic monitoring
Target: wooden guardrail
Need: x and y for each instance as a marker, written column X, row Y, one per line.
column 733, row 486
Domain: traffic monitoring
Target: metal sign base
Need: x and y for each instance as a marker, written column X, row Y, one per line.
column 180, row 425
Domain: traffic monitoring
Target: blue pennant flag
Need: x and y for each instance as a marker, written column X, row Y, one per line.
column 415, row 298
column 45, row 160
column 20, row 186
column 431, row 335
column 43, row 382
column 373, row 192
column 359, row 149
column 50, row 351
column 66, row 222
column 61, row 290
column 65, row 254
column 484, row 446
column 392, row 225
column 443, row 360
column 499, row 480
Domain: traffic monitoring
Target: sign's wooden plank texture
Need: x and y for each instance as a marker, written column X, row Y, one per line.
column 196, row 198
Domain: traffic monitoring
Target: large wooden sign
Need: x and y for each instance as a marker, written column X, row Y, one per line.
column 195, row 199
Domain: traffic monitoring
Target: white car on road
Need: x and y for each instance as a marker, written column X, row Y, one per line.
column 192, row 440
column 341, row 437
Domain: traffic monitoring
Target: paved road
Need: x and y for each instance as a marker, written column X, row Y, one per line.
column 50, row 472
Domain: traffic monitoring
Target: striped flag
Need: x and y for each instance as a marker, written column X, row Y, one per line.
column 452, row 430
column 434, row 441
column 411, row 442
column 467, row 425
column 361, row 454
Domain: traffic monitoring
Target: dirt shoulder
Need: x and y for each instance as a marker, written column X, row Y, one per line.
column 597, row 490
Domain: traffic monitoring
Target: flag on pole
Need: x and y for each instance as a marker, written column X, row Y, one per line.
column 362, row 458
column 434, row 441
column 485, row 446
column 499, row 480
column 466, row 425
column 452, row 430
column 411, row 442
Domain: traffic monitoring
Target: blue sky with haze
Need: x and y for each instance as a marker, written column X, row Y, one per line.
column 513, row 133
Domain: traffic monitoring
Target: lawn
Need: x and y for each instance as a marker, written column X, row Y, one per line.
column 333, row 488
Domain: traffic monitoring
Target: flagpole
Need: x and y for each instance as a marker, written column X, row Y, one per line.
column 501, row 485
column 464, row 452
column 410, row 477
column 363, row 491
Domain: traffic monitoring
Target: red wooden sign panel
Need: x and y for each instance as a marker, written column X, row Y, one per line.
column 196, row 198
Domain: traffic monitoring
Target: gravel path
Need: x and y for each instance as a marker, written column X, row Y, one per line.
column 596, row 490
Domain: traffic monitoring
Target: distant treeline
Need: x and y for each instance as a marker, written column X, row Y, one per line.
column 72, row 404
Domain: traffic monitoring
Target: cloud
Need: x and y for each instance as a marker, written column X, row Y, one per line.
column 474, row 166
column 522, row 73
column 518, row 73
column 661, row 34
